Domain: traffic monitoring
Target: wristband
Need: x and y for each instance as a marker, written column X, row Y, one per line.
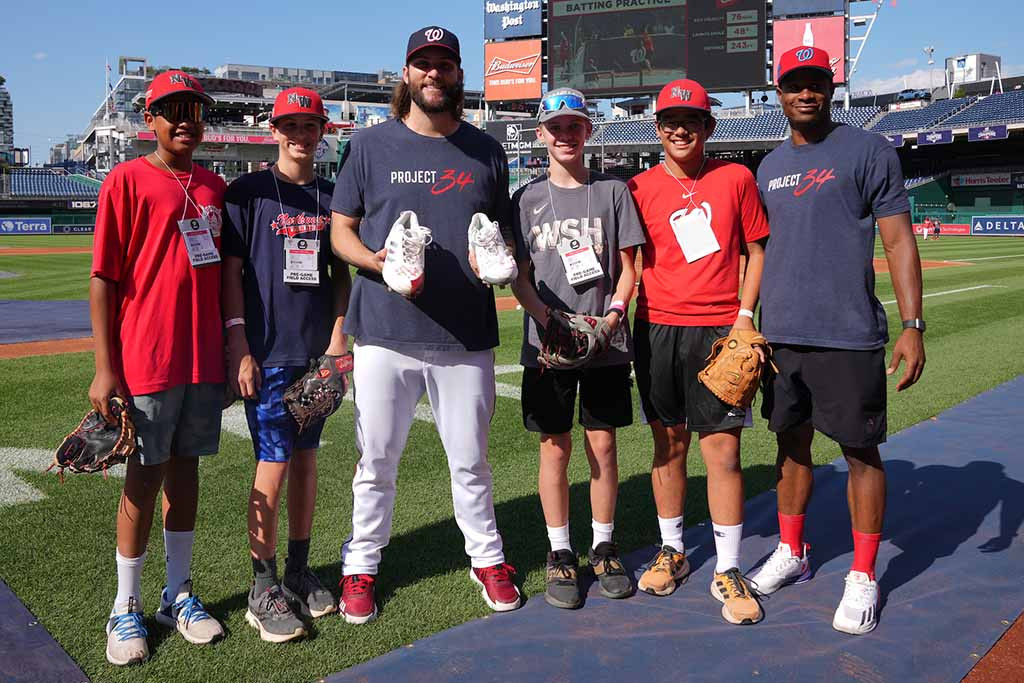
column 619, row 306
column 232, row 322
column 747, row 313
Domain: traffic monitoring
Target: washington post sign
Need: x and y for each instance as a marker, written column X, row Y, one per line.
column 512, row 19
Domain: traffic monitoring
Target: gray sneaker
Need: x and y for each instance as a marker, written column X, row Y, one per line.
column 562, row 587
column 611, row 575
column 270, row 614
column 187, row 614
column 305, row 587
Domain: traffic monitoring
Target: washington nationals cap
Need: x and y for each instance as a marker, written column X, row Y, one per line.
column 298, row 101
column 174, row 82
column 433, row 36
column 803, row 57
column 683, row 93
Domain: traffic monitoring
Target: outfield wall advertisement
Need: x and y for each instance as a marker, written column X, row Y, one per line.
column 25, row 225
column 998, row 226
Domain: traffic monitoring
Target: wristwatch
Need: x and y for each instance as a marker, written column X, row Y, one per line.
column 914, row 323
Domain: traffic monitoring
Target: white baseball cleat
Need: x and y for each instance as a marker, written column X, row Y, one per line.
column 782, row 569
column 493, row 259
column 403, row 265
column 857, row 613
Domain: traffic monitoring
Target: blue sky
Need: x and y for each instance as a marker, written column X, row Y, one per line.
column 54, row 53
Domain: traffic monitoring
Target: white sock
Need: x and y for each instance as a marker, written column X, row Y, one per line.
column 727, row 545
column 178, row 546
column 602, row 532
column 672, row 532
column 129, row 581
column 558, row 536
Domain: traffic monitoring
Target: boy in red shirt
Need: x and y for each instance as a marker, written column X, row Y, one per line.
column 699, row 215
column 154, row 300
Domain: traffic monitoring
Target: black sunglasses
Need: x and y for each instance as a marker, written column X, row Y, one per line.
column 176, row 112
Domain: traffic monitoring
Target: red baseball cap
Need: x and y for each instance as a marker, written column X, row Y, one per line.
column 804, row 57
column 171, row 83
column 683, row 93
column 298, row 101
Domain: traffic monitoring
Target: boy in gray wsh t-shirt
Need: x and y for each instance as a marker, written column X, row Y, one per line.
column 575, row 236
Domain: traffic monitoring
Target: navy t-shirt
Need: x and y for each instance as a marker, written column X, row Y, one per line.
column 285, row 324
column 818, row 287
column 388, row 169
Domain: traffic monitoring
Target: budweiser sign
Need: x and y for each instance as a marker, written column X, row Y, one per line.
column 512, row 70
column 523, row 65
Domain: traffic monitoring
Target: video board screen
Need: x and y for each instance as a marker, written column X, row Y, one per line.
column 607, row 47
column 782, row 8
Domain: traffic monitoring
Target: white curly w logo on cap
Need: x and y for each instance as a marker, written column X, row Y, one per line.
column 434, row 34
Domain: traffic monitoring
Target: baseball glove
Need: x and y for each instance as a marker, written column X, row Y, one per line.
column 734, row 367
column 317, row 394
column 570, row 340
column 96, row 445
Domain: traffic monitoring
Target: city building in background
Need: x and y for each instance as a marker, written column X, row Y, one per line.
column 6, row 125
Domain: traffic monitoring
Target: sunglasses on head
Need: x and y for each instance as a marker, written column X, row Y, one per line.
column 176, row 112
column 562, row 100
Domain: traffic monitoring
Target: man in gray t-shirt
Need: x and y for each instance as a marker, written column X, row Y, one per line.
column 575, row 234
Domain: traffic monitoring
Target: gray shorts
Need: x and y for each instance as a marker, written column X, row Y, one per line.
column 183, row 420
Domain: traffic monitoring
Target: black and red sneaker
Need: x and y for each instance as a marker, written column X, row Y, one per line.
column 499, row 591
column 357, row 603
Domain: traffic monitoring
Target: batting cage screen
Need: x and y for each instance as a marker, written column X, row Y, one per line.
column 607, row 47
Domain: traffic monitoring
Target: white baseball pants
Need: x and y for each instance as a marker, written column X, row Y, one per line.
column 388, row 385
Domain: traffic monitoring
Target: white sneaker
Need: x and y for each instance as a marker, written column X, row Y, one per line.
column 188, row 615
column 403, row 265
column 782, row 569
column 493, row 258
column 857, row 613
column 126, row 635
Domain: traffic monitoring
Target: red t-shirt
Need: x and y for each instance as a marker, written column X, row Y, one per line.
column 705, row 292
column 167, row 329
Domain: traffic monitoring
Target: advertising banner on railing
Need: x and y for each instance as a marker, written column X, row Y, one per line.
column 979, row 179
column 229, row 138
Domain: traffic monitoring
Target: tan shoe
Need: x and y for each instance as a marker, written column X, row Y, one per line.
column 188, row 615
column 668, row 569
column 739, row 606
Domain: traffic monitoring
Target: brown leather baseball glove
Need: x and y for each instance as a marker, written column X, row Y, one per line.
column 734, row 367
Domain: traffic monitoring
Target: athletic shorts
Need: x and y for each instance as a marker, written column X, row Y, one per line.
column 841, row 392
column 273, row 429
column 183, row 421
column 549, row 398
column 668, row 358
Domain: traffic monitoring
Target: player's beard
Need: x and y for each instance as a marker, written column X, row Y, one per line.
column 452, row 95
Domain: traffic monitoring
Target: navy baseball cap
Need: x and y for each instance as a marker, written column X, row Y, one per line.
column 433, row 36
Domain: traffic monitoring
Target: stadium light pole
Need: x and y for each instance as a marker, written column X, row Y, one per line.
column 930, row 50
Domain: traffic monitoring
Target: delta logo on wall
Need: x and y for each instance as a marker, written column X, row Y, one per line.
column 512, row 70
column 826, row 33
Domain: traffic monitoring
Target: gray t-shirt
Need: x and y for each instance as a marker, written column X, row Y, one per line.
column 388, row 169
column 546, row 216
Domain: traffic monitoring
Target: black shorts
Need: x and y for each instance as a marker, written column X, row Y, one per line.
column 841, row 392
column 549, row 397
column 668, row 358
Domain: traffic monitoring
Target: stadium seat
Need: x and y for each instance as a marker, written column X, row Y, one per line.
column 997, row 108
column 920, row 119
column 34, row 182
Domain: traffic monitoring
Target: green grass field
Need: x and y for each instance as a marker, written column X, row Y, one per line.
column 57, row 553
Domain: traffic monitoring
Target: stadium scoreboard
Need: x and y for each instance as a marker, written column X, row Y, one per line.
column 609, row 47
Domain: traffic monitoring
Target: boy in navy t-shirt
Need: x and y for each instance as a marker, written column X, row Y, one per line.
column 282, row 307
column 824, row 190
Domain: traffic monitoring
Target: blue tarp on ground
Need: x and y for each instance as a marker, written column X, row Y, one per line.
column 27, row 321
column 950, row 570
column 28, row 653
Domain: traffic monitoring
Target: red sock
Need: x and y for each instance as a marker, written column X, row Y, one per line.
column 865, row 550
column 791, row 532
